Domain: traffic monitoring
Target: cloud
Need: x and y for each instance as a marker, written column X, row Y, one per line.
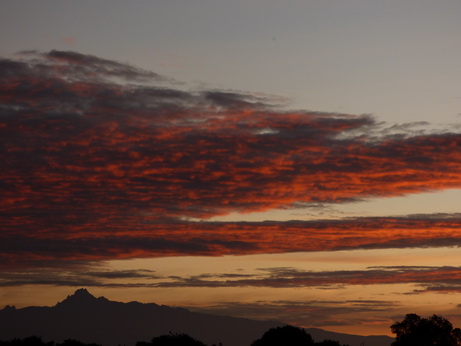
column 442, row 288
column 143, row 237
column 77, row 276
column 421, row 279
column 431, row 278
column 101, row 159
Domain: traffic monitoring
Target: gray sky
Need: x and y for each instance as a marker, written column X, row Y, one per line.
column 398, row 60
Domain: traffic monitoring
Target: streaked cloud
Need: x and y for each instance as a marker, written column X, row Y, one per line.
column 141, row 237
column 103, row 160
column 425, row 276
column 76, row 277
column 422, row 278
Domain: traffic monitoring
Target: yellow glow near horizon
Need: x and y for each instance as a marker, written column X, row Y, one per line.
column 446, row 201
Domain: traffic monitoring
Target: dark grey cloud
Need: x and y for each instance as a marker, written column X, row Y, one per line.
column 429, row 277
column 421, row 278
column 87, row 67
column 77, row 277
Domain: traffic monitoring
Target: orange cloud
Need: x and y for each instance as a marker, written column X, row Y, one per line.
column 141, row 237
column 98, row 151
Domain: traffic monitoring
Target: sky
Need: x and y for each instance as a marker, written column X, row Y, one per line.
column 288, row 160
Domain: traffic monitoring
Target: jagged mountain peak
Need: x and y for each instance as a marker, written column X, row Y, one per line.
column 80, row 296
column 83, row 293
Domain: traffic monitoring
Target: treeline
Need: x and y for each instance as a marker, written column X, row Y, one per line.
column 37, row 341
column 287, row 335
column 413, row 330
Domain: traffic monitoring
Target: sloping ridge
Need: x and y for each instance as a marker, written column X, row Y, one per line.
column 83, row 317
column 350, row 339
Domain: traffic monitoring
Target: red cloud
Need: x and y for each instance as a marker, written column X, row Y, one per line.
column 141, row 237
column 92, row 148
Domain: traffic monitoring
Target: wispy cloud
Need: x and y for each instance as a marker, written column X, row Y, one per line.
column 77, row 277
column 101, row 159
column 422, row 278
column 429, row 277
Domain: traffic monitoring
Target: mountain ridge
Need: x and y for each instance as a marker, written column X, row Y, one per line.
column 84, row 317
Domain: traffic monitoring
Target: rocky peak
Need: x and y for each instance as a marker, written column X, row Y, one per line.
column 80, row 297
column 83, row 293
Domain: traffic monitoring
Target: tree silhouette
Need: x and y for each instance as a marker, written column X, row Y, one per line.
column 433, row 331
column 284, row 336
column 172, row 340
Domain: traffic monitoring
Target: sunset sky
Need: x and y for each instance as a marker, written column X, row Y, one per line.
column 288, row 160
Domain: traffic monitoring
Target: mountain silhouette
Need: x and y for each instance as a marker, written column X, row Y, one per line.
column 80, row 297
column 83, row 317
